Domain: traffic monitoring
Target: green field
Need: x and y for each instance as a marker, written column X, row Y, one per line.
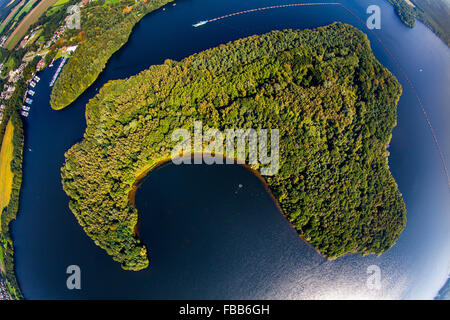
column 34, row 37
column 436, row 15
column 433, row 13
column 17, row 12
column 11, row 42
column 10, row 64
column 105, row 29
column 25, row 9
column 11, row 16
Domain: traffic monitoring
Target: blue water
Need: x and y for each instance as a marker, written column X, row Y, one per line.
column 207, row 237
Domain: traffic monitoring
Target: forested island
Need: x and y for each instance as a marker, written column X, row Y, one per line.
column 105, row 28
column 335, row 107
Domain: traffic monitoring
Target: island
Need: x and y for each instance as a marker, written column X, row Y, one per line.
column 105, row 28
column 335, row 107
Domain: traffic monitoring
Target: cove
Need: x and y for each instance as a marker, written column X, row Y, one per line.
column 205, row 240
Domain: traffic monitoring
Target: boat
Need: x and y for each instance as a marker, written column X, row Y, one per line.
column 28, row 100
column 198, row 24
column 32, row 84
column 31, row 92
column 24, row 113
column 55, row 76
column 25, row 108
column 36, row 78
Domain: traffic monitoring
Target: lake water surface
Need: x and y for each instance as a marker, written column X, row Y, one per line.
column 210, row 239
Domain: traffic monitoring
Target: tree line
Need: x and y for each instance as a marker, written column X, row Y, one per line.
column 12, row 113
column 333, row 103
column 105, row 28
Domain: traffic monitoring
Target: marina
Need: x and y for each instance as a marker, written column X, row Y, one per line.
column 58, row 71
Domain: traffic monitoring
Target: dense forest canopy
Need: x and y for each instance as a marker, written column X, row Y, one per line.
column 105, row 28
column 333, row 103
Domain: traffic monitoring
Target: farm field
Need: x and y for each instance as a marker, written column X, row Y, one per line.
column 25, row 8
column 29, row 19
column 11, row 15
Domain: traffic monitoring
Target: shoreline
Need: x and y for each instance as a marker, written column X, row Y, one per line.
column 83, row 88
column 142, row 174
column 277, row 204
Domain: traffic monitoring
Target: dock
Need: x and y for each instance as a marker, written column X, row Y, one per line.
column 58, row 71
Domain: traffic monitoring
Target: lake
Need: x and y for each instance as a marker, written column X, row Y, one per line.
column 210, row 239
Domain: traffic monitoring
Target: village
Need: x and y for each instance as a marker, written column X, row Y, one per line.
column 13, row 76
